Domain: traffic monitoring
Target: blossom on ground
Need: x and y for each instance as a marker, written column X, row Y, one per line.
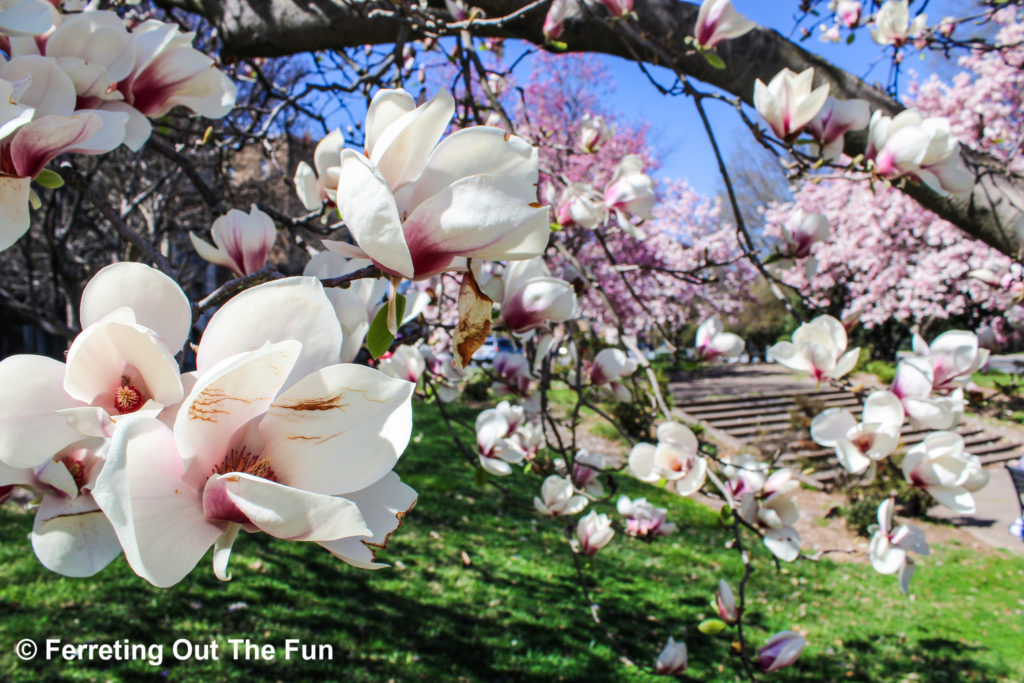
column 889, row 547
column 241, row 241
column 788, row 102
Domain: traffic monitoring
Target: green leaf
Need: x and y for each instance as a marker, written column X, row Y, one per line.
column 850, row 38
column 714, row 60
column 378, row 339
column 558, row 45
column 710, row 627
column 50, row 179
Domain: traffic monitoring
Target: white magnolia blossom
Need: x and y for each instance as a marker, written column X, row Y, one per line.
column 274, row 435
column 818, row 348
column 860, row 445
column 954, row 356
column 713, row 343
column 940, row 466
column 498, row 439
column 675, row 459
column 718, row 20
column 241, row 241
column 889, row 547
column 586, row 472
column 415, row 205
column 314, row 187
column 788, row 102
column 532, row 297
column 781, row 650
column 558, row 498
column 913, row 385
column 801, row 232
column 513, row 377
column 593, row 133
column 559, row 11
column 848, row 11
column 773, row 509
column 744, row 474
column 446, row 377
column 893, row 25
column 629, row 194
column 593, row 532
column 923, row 148
column 672, row 659
column 25, row 17
column 405, row 362
column 643, row 519
column 836, row 118
column 610, row 366
column 580, row 205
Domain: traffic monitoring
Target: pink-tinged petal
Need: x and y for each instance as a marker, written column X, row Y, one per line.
column 539, row 301
column 222, row 551
column 26, row 18
column 369, row 210
column 157, row 517
column 97, row 38
column 14, row 193
column 110, row 134
column 481, row 150
column 307, row 188
column 157, row 300
column 784, row 543
column 137, row 128
column 386, row 107
column 181, row 75
column 384, row 505
column 851, row 457
column 831, row 425
column 292, row 308
column 50, row 90
column 225, row 398
column 400, row 152
column 781, row 650
column 36, row 143
column 477, row 217
column 31, row 391
column 281, row 511
column 72, row 537
column 212, row 254
column 339, row 429
column 114, row 348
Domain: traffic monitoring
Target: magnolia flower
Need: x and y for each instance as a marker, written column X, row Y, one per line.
column 909, row 144
column 888, row 548
column 787, row 103
column 744, row 474
column 672, row 659
column 134, row 319
column 593, row 532
column 25, row 17
column 781, row 650
column 630, row 193
column 273, row 436
column 593, row 133
column 586, row 472
column 817, row 349
column 497, row 445
column 242, row 241
column 829, row 33
column 860, row 445
column 513, row 377
column 773, row 509
column 611, row 365
column 415, row 205
column 643, row 519
column 446, row 377
column 954, row 356
column 848, row 11
column 316, row 187
column 580, row 206
column 947, row 26
column 836, row 118
column 554, row 20
column 713, row 343
column 801, row 232
column 913, row 385
column 557, row 498
column 675, row 459
column 406, row 362
column 532, row 298
column 725, row 601
column 940, row 466
column 718, row 21
column 893, row 25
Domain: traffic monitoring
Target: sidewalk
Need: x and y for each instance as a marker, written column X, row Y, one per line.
column 996, row 508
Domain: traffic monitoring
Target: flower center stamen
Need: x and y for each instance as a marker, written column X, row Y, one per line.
column 245, row 461
column 127, row 399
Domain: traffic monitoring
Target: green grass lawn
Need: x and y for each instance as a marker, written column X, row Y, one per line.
column 515, row 611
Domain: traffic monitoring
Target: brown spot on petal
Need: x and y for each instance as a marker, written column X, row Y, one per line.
column 210, row 403
column 400, row 516
column 536, row 205
column 474, row 320
column 319, row 403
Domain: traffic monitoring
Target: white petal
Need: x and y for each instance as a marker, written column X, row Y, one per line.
column 784, row 543
column 73, row 537
column 386, row 107
column 400, row 152
column 14, row 223
column 31, row 391
column 831, row 425
column 383, row 505
column 641, row 462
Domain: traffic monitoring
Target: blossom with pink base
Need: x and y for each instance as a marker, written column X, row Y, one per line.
column 643, row 519
column 788, row 103
column 713, row 343
column 923, row 148
column 718, row 21
column 593, row 532
column 781, row 650
column 818, row 348
column 836, row 118
column 241, row 241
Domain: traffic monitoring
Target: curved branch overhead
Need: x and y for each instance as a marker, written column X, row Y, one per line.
column 268, row 28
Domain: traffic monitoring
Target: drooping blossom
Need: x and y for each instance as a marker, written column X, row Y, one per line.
column 836, row 118
column 725, row 601
column 923, row 148
column 445, row 376
column 314, row 187
column 718, row 20
column 643, row 520
column 513, row 378
column 414, row 205
column 532, row 297
column 558, row 498
column 273, row 436
column 593, row 532
column 672, row 659
column 630, row 194
column 610, row 366
column 241, row 241
column 818, row 348
column 859, row 445
column 406, row 362
column 676, row 459
column 941, row 466
column 558, row 12
column 781, row 650
column 788, row 102
column 593, row 133
column 713, row 343
column 893, row 25
column 773, row 509
column 889, row 547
